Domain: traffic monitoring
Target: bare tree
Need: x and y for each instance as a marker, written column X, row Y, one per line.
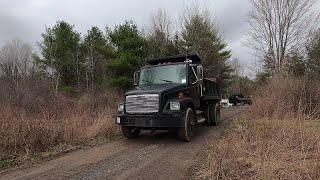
column 237, row 67
column 276, row 26
column 161, row 35
column 16, row 65
column 160, row 22
column 16, row 59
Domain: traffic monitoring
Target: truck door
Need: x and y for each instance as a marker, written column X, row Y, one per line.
column 194, row 85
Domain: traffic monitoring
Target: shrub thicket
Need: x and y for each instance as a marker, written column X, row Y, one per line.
column 35, row 119
column 277, row 139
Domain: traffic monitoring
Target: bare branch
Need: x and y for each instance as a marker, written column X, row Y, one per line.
column 276, row 26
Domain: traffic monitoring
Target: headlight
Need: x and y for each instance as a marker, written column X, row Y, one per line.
column 120, row 107
column 174, row 106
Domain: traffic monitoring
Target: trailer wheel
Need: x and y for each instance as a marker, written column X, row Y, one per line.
column 130, row 132
column 188, row 130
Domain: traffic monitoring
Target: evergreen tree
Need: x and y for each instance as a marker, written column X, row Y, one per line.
column 60, row 49
column 296, row 64
column 131, row 52
column 199, row 35
column 313, row 59
column 97, row 52
column 269, row 65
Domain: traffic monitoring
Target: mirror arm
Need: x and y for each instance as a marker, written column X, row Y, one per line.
column 195, row 82
column 135, row 76
column 194, row 72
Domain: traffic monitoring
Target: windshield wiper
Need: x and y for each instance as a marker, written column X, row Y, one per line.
column 148, row 82
column 168, row 81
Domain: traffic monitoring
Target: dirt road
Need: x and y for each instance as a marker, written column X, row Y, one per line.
column 151, row 156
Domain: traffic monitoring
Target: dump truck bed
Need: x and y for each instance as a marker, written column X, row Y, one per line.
column 211, row 90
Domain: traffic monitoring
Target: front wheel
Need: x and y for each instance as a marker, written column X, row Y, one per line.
column 130, row 132
column 188, row 130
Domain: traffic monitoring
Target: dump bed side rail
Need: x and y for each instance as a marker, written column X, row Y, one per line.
column 212, row 91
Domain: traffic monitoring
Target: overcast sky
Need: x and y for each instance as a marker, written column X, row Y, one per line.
column 26, row 19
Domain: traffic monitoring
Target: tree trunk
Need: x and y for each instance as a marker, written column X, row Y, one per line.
column 92, row 66
column 57, row 84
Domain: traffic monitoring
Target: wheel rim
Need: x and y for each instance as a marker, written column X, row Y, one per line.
column 132, row 130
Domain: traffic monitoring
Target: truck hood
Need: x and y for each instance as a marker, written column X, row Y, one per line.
column 155, row 89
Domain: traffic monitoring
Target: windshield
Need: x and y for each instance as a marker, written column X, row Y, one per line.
column 163, row 74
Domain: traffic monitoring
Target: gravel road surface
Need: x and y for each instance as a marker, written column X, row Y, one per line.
column 158, row 155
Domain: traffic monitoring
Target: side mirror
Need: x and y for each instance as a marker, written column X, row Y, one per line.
column 200, row 72
column 136, row 78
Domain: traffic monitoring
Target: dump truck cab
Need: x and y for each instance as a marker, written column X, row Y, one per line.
column 170, row 93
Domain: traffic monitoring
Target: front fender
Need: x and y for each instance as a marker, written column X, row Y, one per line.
column 184, row 103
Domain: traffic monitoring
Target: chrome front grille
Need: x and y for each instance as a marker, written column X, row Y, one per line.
column 146, row 103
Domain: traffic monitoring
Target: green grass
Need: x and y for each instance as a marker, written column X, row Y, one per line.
column 312, row 126
column 4, row 163
column 68, row 89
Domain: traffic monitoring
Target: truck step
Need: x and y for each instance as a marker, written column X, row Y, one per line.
column 201, row 120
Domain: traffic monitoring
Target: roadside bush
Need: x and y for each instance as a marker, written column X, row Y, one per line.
column 286, row 97
column 265, row 149
column 278, row 138
column 38, row 120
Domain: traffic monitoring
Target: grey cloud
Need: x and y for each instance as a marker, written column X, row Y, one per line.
column 26, row 19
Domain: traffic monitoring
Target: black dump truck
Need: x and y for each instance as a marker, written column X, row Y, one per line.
column 240, row 99
column 170, row 94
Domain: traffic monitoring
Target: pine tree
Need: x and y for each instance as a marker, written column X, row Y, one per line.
column 131, row 52
column 313, row 56
column 96, row 54
column 296, row 64
column 59, row 48
column 199, row 35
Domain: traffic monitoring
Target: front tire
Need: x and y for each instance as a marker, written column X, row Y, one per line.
column 188, row 130
column 130, row 132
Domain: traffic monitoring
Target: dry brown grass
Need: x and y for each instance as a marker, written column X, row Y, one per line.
column 286, row 97
column 54, row 122
column 278, row 139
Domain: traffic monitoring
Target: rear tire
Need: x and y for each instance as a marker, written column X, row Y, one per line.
column 216, row 118
column 188, row 130
column 130, row 132
column 209, row 115
column 213, row 114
